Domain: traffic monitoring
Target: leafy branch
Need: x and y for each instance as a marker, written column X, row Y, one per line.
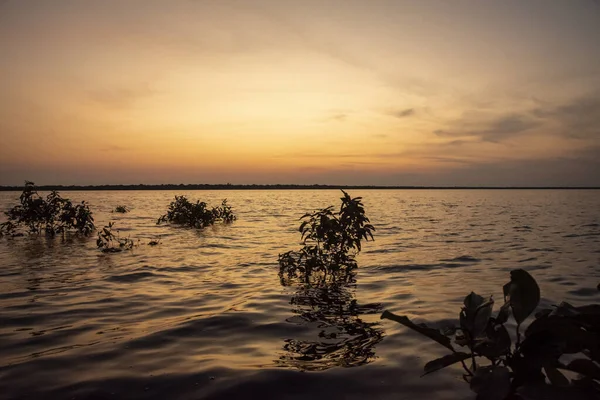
column 331, row 240
column 108, row 242
column 520, row 371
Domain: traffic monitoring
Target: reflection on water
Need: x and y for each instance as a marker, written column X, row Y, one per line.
column 343, row 339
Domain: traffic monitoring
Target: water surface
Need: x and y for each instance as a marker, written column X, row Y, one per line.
column 204, row 315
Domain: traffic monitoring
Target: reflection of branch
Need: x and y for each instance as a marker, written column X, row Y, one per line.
column 343, row 340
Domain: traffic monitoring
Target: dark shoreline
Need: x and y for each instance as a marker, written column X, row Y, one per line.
column 282, row 187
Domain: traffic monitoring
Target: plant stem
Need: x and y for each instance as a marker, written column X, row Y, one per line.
column 466, row 368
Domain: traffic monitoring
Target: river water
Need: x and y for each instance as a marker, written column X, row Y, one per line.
column 204, row 315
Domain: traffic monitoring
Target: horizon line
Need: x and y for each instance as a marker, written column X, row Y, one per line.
column 275, row 186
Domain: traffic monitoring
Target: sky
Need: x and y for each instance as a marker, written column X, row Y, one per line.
column 377, row 92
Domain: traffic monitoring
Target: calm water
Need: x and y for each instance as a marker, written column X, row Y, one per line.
column 203, row 315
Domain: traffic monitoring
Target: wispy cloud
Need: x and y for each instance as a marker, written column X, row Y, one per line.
column 407, row 112
column 578, row 118
column 494, row 130
column 338, row 117
column 121, row 97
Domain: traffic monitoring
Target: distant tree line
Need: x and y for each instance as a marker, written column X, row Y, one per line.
column 229, row 186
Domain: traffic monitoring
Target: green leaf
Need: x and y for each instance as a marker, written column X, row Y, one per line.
column 523, row 293
column 445, row 361
column 423, row 329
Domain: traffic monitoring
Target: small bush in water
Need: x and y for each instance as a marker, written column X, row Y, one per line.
column 50, row 215
column 529, row 369
column 108, row 242
column 154, row 242
column 121, row 209
column 331, row 241
column 196, row 215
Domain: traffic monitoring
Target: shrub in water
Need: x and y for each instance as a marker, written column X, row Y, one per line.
column 9, row 228
column 196, row 215
column 51, row 214
column 108, row 242
column 522, row 370
column 121, row 209
column 331, row 241
column 154, row 242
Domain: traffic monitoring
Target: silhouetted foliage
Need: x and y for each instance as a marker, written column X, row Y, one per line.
column 196, row 215
column 121, row 209
column 522, row 370
column 331, row 241
column 108, row 242
column 9, row 228
column 154, row 242
column 51, row 214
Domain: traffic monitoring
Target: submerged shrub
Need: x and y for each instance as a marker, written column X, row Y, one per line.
column 331, row 242
column 196, row 215
column 154, row 242
column 502, row 370
column 51, row 214
column 9, row 228
column 121, row 209
column 108, row 242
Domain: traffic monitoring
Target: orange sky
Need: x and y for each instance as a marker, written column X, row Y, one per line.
column 348, row 92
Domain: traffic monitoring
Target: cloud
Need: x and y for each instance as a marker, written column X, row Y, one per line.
column 507, row 126
column 320, row 155
column 402, row 113
column 121, row 97
column 336, row 115
column 339, row 117
column 579, row 118
column 577, row 170
column 495, row 130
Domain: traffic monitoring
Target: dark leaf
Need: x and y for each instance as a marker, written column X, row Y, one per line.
column 584, row 367
column 565, row 309
column 543, row 313
column 556, row 377
column 590, row 309
column 542, row 391
column 475, row 314
column 503, row 314
column 491, row 383
column 496, row 343
column 445, row 361
column 567, row 335
column 523, row 293
column 431, row 333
